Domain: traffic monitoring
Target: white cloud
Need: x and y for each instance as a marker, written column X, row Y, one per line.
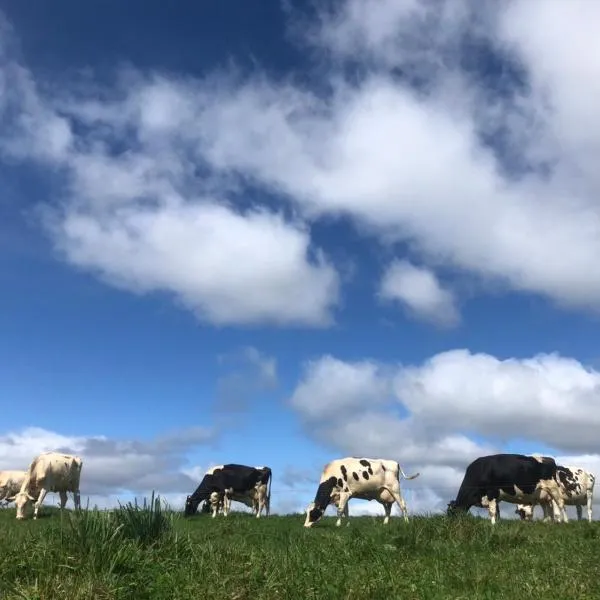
column 331, row 385
column 444, row 406
column 419, row 290
column 226, row 267
column 546, row 397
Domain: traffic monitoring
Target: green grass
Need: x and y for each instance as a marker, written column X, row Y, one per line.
column 144, row 552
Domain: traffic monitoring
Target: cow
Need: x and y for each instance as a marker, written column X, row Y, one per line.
column 513, row 478
column 224, row 483
column 363, row 478
column 257, row 498
column 10, row 484
column 49, row 472
column 577, row 489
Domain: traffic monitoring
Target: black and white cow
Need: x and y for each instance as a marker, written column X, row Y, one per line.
column 257, row 498
column 577, row 489
column 224, row 483
column 364, row 478
column 513, row 478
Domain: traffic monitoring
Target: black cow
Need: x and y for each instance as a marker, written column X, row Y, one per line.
column 220, row 485
column 513, row 478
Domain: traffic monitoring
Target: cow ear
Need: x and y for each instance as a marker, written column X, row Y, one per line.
column 30, row 497
column 11, row 499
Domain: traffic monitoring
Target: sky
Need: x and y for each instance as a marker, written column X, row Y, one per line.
column 283, row 232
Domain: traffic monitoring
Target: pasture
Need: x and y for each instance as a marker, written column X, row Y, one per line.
column 149, row 553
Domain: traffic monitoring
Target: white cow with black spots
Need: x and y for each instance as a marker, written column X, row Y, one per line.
column 576, row 486
column 363, row 478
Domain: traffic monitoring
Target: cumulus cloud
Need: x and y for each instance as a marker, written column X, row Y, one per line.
column 433, row 417
column 331, row 385
column 546, row 397
column 420, row 292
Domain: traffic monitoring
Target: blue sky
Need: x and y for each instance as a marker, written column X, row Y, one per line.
column 277, row 234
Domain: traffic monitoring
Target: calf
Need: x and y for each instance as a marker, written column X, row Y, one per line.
column 10, row 484
column 513, row 478
column 49, row 472
column 363, row 478
column 224, row 483
column 577, row 489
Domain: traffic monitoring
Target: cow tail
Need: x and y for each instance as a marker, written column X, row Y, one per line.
column 269, row 493
column 407, row 477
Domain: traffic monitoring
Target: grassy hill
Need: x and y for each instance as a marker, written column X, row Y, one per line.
column 137, row 554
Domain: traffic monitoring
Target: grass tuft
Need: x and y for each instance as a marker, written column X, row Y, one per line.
column 145, row 524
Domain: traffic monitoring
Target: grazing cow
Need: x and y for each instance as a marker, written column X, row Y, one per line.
column 257, row 498
column 49, row 472
column 363, row 478
column 513, row 478
column 577, row 489
column 224, row 483
column 10, row 484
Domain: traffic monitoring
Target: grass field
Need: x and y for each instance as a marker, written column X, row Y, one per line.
column 137, row 554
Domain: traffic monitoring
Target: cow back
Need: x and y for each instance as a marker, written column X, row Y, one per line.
column 53, row 471
column 502, row 472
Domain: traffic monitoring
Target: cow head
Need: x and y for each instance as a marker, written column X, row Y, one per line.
column 216, row 502
column 453, row 509
column 316, row 509
column 191, row 506
column 21, row 500
column 525, row 511
column 313, row 514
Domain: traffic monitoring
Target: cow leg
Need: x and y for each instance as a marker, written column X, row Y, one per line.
column 259, row 497
column 589, row 505
column 39, row 501
column 227, row 502
column 493, row 509
column 77, row 499
column 558, row 509
column 63, row 499
column 347, row 513
column 387, row 507
column 342, row 508
column 546, row 506
column 215, row 500
column 400, row 502
column 579, row 510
